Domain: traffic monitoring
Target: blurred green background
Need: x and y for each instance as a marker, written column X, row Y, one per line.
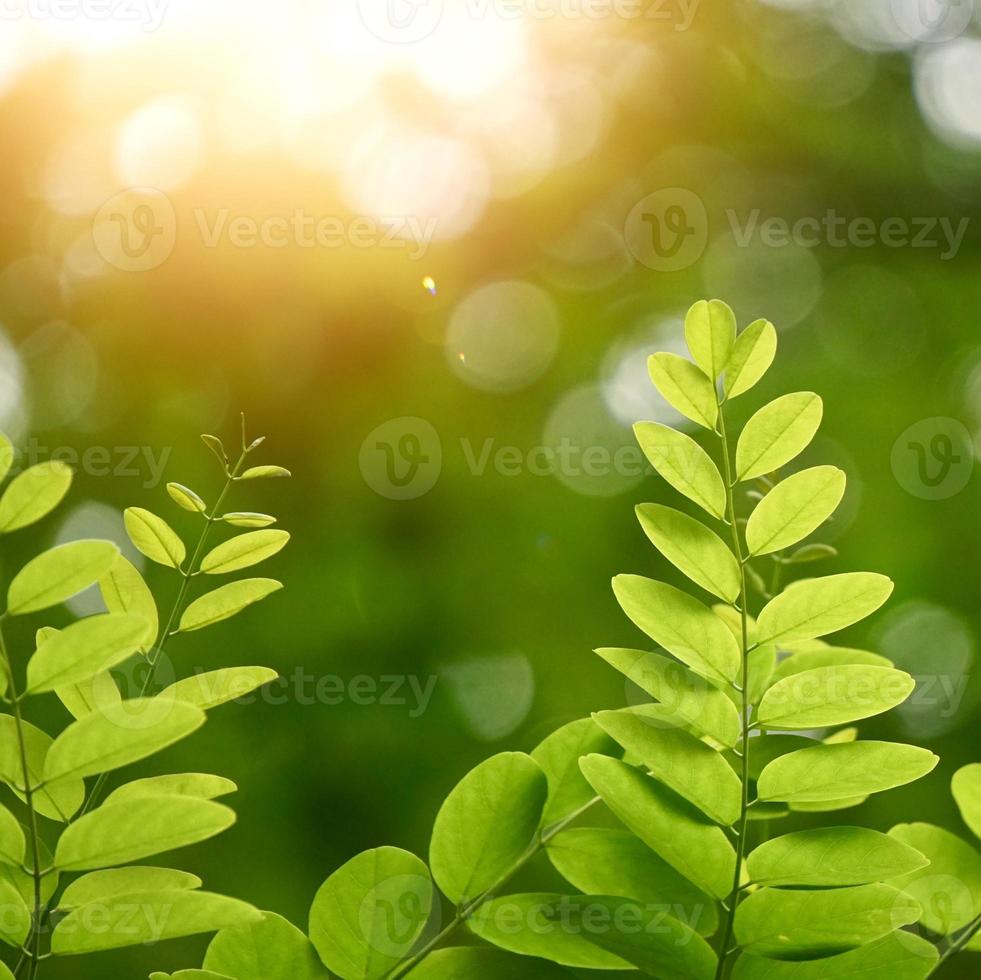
column 477, row 567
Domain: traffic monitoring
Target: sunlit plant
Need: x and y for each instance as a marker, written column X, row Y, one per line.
column 68, row 881
column 746, row 725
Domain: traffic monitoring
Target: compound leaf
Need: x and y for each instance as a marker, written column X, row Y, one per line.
column 684, row 464
column 667, row 824
column 486, row 824
column 681, row 624
column 59, row 574
column 818, row 606
column 694, row 549
column 368, row 914
column 777, row 433
column 836, row 772
column 794, row 508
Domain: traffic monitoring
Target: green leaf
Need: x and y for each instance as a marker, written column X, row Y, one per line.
column 664, row 822
column 777, row 433
column 119, row 833
column 268, row 949
column 91, row 695
column 684, row 464
column 682, row 625
column 84, row 649
column 154, row 537
column 685, row 388
column 5, row 973
column 827, row 696
column 216, row 687
column 225, row 601
column 189, row 975
column 693, row 548
column 559, row 755
column 33, row 494
column 245, row 550
column 949, row 889
column 789, row 924
column 55, row 802
column 486, row 824
column 831, row 857
column 101, row 886
column 836, row 772
column 484, row 963
column 794, row 508
column 900, row 956
column 13, row 844
column 217, row 447
column 797, row 663
column 185, row 497
column 6, row 456
column 369, row 913
column 15, row 924
column 811, row 552
column 118, row 735
column 124, row 591
column 677, row 759
column 532, row 925
column 690, row 697
column 966, row 787
column 198, row 784
column 244, row 518
column 752, row 354
column 598, row 861
column 265, row 473
column 59, row 574
column 147, row 917
column 818, row 606
column 710, row 332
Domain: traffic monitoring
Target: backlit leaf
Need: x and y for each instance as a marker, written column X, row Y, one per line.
column 794, row 508
column 966, row 787
column 691, row 698
column 117, row 735
column 13, row 844
column 682, row 625
column 185, row 497
column 147, row 917
column 689, row 545
column 90, row 695
column 831, row 857
column 268, row 949
column 836, row 772
column 827, row 696
column 216, row 687
column 84, row 649
column 265, row 472
column 486, row 823
column 119, row 833
column 100, row 886
column 243, row 518
column 484, row 963
column 685, row 388
column 752, row 354
column 797, row 663
column 777, row 433
column 6, row 456
column 818, row 606
column 368, row 914
column 664, row 822
column 124, row 591
column 710, row 332
column 226, row 601
column 677, row 759
column 684, row 464
column 33, row 494
column 199, row 784
column 796, row 924
column 242, row 551
column 59, row 574
column 559, row 755
column 154, row 537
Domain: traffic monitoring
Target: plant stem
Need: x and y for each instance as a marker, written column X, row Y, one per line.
column 963, row 938
column 464, row 913
column 734, row 895
column 187, row 574
column 34, row 937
